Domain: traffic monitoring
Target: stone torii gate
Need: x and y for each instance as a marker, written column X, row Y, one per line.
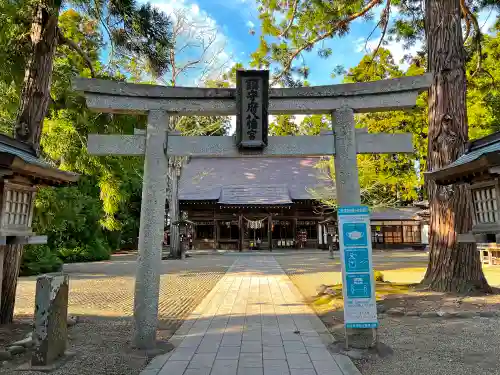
column 156, row 144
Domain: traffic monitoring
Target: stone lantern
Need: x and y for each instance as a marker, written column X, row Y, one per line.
column 479, row 169
column 21, row 172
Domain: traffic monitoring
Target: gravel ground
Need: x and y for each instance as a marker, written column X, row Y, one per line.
column 437, row 347
column 420, row 345
column 101, row 295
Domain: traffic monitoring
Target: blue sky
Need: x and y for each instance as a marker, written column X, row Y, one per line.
column 233, row 20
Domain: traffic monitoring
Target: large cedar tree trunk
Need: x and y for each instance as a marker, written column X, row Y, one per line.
column 35, row 98
column 453, row 267
column 12, row 263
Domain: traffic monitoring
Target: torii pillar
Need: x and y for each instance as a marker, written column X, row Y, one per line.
column 156, row 144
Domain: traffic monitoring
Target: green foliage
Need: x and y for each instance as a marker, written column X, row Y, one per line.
column 284, row 125
column 100, row 214
column 203, row 125
column 293, row 29
column 39, row 259
column 393, row 179
column 93, row 251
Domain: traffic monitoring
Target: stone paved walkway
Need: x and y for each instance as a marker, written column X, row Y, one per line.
column 253, row 322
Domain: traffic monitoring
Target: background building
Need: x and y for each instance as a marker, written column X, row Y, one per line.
column 243, row 203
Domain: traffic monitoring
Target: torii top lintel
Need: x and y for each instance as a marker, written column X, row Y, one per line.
column 121, row 97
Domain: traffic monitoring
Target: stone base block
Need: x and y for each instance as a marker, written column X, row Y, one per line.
column 361, row 338
column 48, row 368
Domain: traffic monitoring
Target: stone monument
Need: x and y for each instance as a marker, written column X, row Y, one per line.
column 51, row 320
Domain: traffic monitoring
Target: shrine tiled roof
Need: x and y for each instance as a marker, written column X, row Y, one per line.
column 395, row 213
column 255, row 195
column 251, row 181
column 20, row 158
column 481, row 154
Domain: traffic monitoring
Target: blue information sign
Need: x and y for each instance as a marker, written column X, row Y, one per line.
column 360, row 308
column 358, row 285
column 356, row 259
column 355, row 234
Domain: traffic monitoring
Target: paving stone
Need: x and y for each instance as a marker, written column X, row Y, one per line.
column 290, row 336
column 208, row 347
column 313, row 342
column 231, row 340
column 277, row 371
column 228, row 352
column 250, row 371
column 183, row 354
column 319, row 354
column 345, row 364
column 174, row 368
column 250, row 360
column 266, row 328
column 299, row 361
column 192, row 341
column 272, row 340
column 225, row 367
column 302, row 371
column 275, row 363
column 200, row 360
column 251, row 347
column 294, row 347
column 198, row 371
column 273, row 352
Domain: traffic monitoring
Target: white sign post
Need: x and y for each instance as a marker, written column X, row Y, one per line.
column 360, row 306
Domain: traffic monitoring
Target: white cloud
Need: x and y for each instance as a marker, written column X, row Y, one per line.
column 195, row 9
column 199, row 38
column 396, row 48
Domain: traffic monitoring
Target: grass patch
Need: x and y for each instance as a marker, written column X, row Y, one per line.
column 382, row 290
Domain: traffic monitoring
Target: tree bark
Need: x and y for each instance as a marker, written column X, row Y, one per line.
column 12, row 263
column 34, row 102
column 35, row 96
column 453, row 266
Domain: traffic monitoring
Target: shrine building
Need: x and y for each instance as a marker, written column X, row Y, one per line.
column 236, row 202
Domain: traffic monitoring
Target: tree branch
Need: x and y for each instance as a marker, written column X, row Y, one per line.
column 370, row 35
column 385, row 19
column 292, row 19
column 477, row 36
column 465, row 14
column 328, row 34
column 71, row 44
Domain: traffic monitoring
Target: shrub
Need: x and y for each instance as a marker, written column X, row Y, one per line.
column 379, row 276
column 39, row 259
column 84, row 253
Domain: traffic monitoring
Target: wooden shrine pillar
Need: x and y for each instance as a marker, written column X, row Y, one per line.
column 216, row 234
column 270, row 231
column 294, row 231
column 240, row 227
